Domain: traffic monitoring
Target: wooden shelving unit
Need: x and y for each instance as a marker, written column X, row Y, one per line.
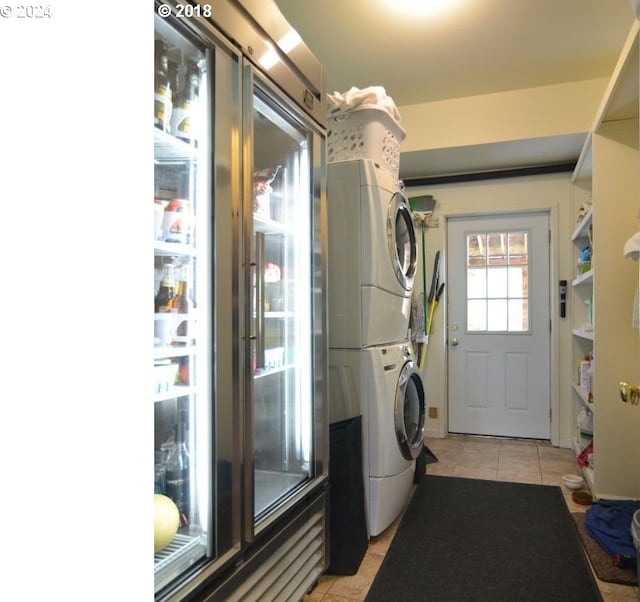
column 609, row 170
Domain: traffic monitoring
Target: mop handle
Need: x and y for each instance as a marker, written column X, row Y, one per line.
column 424, row 282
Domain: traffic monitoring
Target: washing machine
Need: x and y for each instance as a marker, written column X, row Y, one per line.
column 372, row 256
column 383, row 385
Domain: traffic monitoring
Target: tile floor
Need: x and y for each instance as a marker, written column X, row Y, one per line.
column 480, row 458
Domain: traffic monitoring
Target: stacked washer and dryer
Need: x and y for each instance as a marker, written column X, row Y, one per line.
column 372, row 371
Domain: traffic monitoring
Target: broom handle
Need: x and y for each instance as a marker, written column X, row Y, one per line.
column 424, row 281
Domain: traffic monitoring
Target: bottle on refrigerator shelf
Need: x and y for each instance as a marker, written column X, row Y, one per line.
column 183, row 370
column 162, row 88
column 182, row 117
column 166, row 292
column 179, row 301
column 174, row 83
column 182, row 302
column 177, row 475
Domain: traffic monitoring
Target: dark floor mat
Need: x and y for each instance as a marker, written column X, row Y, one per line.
column 471, row 540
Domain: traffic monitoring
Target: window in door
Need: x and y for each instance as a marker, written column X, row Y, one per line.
column 498, row 282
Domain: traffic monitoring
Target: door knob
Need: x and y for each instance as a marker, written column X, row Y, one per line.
column 629, row 393
column 454, row 342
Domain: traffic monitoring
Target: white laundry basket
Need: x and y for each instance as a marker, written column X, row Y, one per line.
column 365, row 132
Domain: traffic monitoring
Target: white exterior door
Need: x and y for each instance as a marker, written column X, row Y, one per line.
column 499, row 325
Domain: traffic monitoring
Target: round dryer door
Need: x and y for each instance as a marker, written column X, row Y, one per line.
column 409, row 411
column 401, row 238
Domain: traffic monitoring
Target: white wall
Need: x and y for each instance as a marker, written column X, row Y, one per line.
column 524, row 114
column 553, row 192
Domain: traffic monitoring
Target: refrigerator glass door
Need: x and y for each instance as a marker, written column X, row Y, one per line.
column 181, row 296
column 281, row 340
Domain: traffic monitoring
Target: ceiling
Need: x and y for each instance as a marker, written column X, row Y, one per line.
column 472, row 47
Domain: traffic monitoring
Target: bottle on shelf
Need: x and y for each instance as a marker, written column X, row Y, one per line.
column 182, row 302
column 183, row 124
column 179, row 301
column 173, row 75
column 590, row 376
column 584, row 374
column 177, row 474
column 160, row 472
column 262, row 190
column 183, row 371
column 162, row 88
column 173, row 71
column 164, row 298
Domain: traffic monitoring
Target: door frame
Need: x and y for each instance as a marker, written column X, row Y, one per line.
column 554, row 336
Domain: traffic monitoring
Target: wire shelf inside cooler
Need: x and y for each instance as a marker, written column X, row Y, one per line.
column 181, row 553
column 169, row 149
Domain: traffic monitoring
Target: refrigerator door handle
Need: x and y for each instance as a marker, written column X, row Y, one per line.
column 260, row 301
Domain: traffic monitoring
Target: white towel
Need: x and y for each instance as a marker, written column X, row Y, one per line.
column 632, row 247
column 355, row 97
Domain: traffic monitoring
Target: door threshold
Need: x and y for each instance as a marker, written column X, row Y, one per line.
column 498, row 438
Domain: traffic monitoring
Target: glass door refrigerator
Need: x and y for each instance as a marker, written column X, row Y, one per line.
column 240, row 377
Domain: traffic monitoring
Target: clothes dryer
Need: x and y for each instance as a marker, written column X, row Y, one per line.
column 384, row 385
column 372, row 256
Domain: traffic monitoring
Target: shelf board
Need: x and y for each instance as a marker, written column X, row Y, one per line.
column 584, row 166
column 279, row 314
column 165, row 352
column 583, row 394
column 621, row 96
column 576, row 447
column 262, row 372
column 173, row 249
column 586, row 278
column 270, row 226
column 171, row 150
column 176, row 391
column 620, row 102
column 583, row 334
column 582, row 228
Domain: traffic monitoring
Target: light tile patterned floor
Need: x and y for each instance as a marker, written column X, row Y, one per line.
column 479, row 458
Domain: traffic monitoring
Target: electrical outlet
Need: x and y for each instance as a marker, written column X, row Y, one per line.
column 433, row 412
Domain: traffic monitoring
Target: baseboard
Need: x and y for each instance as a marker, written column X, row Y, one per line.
column 434, row 434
